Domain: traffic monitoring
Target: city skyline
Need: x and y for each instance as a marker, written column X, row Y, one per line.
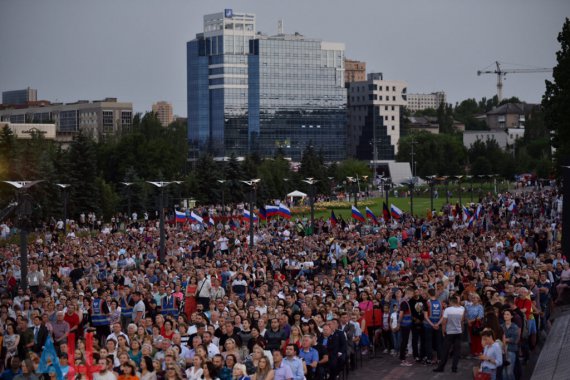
column 61, row 49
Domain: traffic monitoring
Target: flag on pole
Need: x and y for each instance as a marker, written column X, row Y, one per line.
column 356, row 214
column 333, row 219
column 370, row 215
column 396, row 212
column 271, row 211
column 180, row 217
column 478, row 212
column 49, row 354
column 513, row 206
column 466, row 213
column 195, row 218
column 284, row 211
column 246, row 216
column 385, row 212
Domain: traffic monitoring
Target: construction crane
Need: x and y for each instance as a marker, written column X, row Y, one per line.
column 501, row 73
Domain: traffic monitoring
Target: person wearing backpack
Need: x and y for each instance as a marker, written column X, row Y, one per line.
column 433, row 316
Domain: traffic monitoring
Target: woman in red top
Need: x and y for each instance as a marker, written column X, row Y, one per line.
column 190, row 302
column 167, row 332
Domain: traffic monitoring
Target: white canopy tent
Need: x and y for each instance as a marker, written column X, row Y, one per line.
column 296, row 194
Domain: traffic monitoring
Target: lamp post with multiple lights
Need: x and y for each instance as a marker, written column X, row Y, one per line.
column 24, row 211
column 161, row 185
column 311, row 182
column 252, row 183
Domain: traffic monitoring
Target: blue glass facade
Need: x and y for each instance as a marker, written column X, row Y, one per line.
column 252, row 93
column 297, row 97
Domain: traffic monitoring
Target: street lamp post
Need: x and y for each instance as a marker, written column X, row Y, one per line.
column 387, row 190
column 222, row 183
column 411, row 186
column 431, row 186
column 251, row 183
column 64, row 187
column 161, row 185
column 24, row 212
column 128, row 185
column 353, row 181
column 311, row 182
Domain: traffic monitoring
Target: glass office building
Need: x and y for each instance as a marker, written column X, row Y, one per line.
column 249, row 92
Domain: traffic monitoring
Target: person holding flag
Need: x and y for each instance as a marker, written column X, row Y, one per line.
column 370, row 215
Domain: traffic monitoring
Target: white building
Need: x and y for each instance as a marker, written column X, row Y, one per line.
column 374, row 108
column 418, row 102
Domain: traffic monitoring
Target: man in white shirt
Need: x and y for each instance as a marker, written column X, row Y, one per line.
column 452, row 329
column 203, row 290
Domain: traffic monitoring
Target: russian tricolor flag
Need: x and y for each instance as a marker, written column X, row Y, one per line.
column 195, row 218
column 513, row 206
column 370, row 215
column 271, row 211
column 180, row 217
column 247, row 216
column 211, row 221
column 357, row 214
column 284, row 211
column 466, row 213
column 396, row 212
column 478, row 212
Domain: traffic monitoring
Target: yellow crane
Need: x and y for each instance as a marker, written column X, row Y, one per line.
column 501, row 72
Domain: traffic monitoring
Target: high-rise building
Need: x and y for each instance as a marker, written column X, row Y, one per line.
column 18, row 97
column 354, row 71
column 97, row 118
column 163, row 111
column 251, row 92
column 374, row 117
column 418, row 102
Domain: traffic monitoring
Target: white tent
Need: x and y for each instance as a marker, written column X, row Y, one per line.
column 296, row 194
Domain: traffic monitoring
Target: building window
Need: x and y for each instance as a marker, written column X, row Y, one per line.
column 68, row 121
column 392, row 108
column 393, row 117
column 393, row 127
column 107, row 121
column 126, row 119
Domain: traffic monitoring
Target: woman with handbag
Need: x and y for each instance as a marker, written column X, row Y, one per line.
column 475, row 314
column 491, row 359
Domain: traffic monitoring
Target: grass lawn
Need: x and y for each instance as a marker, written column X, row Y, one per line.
column 421, row 202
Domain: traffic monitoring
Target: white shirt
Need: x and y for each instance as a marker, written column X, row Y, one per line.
column 454, row 316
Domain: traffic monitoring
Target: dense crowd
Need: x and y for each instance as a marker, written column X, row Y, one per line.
column 297, row 304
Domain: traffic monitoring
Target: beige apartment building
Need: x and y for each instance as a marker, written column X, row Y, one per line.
column 354, row 71
column 163, row 111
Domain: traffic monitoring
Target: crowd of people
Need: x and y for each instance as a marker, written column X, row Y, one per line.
column 292, row 305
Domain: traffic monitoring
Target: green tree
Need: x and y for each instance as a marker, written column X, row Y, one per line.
column 442, row 154
column 557, row 98
column 84, row 190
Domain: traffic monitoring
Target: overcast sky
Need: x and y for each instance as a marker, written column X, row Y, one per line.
column 135, row 49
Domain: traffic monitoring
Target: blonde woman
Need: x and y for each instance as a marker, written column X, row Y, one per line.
column 232, row 348
column 264, row 370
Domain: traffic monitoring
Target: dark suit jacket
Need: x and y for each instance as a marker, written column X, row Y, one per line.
column 349, row 331
column 40, row 341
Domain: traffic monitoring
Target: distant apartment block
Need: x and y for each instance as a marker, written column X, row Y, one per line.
column 354, row 71
column 418, row 102
column 18, row 97
column 374, row 117
column 163, row 111
column 509, row 115
column 96, row 118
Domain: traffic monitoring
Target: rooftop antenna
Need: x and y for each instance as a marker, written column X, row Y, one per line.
column 280, row 27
